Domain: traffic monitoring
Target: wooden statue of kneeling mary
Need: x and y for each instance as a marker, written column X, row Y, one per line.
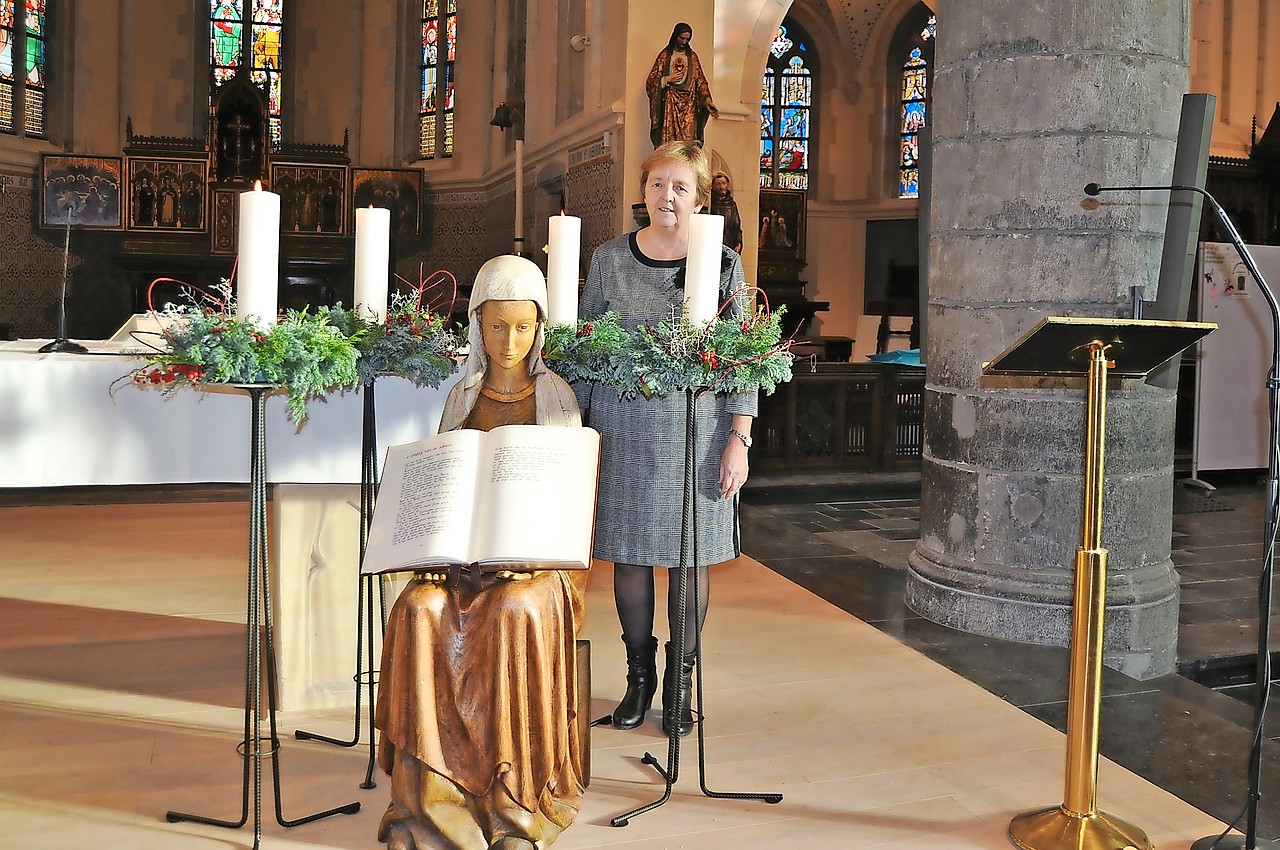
column 477, row 688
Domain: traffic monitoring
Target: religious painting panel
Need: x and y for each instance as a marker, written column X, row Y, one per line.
column 313, row 198
column 223, row 219
column 782, row 226
column 83, row 192
column 166, row 194
column 395, row 189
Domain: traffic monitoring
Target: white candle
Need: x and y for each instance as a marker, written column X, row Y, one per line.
column 702, row 268
column 563, row 234
column 258, row 268
column 373, row 262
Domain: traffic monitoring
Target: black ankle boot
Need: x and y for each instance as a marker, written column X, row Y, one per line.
column 642, row 683
column 677, row 681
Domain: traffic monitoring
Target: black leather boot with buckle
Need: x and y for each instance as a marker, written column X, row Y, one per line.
column 642, row 683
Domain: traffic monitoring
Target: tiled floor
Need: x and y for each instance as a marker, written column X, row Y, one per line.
column 1175, row 731
column 121, row 677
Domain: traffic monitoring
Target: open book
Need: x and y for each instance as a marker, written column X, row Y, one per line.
column 519, row 497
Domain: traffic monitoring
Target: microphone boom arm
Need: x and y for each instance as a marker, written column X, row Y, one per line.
column 1093, row 189
column 1266, row 578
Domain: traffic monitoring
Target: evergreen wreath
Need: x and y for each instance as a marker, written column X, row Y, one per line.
column 415, row 342
column 744, row 354
column 304, row 353
column 308, row 354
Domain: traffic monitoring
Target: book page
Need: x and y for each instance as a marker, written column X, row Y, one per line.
column 537, row 496
column 425, row 503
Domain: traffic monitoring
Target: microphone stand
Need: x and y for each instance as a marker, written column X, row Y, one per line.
column 62, row 345
column 1250, row 839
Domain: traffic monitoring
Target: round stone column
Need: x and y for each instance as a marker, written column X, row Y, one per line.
column 1031, row 101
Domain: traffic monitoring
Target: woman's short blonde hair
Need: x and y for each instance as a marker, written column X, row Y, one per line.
column 680, row 153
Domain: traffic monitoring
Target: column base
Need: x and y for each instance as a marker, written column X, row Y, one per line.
column 1140, row 635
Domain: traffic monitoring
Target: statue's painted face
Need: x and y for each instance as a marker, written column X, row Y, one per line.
column 509, row 330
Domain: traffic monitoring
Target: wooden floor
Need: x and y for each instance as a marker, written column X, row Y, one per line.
column 122, row 681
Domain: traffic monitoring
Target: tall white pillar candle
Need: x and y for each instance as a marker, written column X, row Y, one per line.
column 373, row 262
column 563, row 245
column 702, row 268
column 258, row 266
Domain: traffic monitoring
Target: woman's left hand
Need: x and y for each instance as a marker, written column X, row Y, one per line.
column 733, row 467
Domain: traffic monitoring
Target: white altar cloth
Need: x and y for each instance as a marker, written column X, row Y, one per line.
column 61, row 424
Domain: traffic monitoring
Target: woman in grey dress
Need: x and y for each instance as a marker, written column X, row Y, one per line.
column 640, row 276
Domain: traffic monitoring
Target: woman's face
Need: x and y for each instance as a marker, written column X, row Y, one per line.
column 671, row 194
column 509, row 330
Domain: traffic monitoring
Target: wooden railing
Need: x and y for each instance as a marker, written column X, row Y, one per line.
column 842, row 416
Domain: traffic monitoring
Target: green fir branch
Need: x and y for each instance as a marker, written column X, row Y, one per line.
column 726, row 355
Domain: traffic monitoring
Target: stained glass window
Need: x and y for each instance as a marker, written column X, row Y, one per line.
column 914, row 115
column 436, row 106
column 786, row 111
column 233, row 45
column 23, row 75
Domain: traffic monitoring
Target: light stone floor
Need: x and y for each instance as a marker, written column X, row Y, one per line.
column 121, row 686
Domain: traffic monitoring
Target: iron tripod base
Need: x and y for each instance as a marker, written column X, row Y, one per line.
column 261, row 656
column 1056, row 828
column 688, row 569
column 366, row 677
column 366, row 673
column 670, row 772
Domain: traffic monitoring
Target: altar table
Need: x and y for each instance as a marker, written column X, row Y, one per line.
column 68, row 419
column 63, row 424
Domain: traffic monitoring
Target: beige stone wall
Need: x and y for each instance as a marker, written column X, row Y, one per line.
column 140, row 59
column 1235, row 55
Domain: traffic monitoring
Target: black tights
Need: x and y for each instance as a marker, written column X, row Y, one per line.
column 633, row 594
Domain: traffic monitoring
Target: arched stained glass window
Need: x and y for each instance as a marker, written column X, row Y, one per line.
column 786, row 111
column 435, row 114
column 233, row 45
column 914, row 115
column 23, row 81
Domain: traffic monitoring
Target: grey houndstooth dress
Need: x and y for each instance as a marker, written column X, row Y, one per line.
column 638, row 515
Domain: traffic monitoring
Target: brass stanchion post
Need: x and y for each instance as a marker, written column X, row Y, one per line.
column 1059, row 346
column 1077, row 824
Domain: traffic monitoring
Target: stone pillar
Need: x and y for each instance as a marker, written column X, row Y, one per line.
column 1031, row 102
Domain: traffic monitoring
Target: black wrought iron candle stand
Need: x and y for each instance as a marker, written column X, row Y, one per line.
column 688, row 567
column 260, row 647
